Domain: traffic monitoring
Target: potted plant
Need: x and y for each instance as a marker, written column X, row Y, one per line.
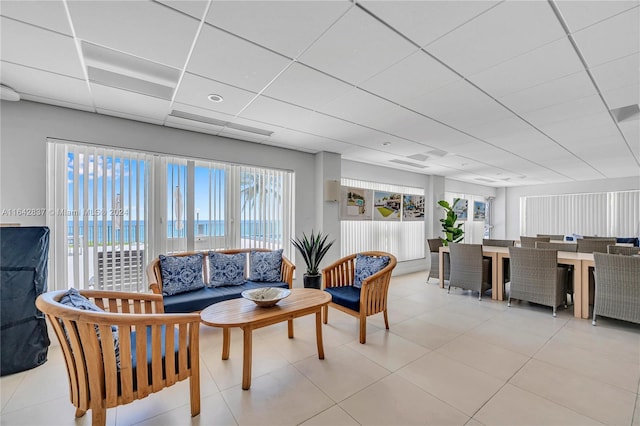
column 452, row 232
column 312, row 249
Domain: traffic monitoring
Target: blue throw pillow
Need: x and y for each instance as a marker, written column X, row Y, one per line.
column 367, row 266
column 226, row 269
column 73, row 298
column 266, row 266
column 181, row 273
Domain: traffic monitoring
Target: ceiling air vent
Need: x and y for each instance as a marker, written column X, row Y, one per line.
column 221, row 123
column 631, row 112
column 437, row 153
column 485, row 180
column 408, row 163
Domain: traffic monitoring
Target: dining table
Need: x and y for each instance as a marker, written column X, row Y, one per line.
column 581, row 263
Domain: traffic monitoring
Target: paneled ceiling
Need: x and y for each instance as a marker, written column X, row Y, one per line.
column 501, row 93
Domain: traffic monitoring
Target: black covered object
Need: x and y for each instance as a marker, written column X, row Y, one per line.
column 23, row 276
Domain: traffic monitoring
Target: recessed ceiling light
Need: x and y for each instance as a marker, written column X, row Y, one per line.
column 215, row 98
column 386, row 143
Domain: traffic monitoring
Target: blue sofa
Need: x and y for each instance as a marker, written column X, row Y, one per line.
column 197, row 300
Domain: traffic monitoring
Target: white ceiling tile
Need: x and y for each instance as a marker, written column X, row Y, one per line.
column 595, row 42
column 288, row 27
column 308, row 142
column 460, row 105
column 165, row 36
column 193, row 90
column 229, row 59
column 416, row 74
column 501, row 129
column 425, row 21
column 619, row 73
column 45, row 84
column 126, row 102
column 133, row 117
column 508, row 30
column 549, row 62
column 49, row 14
column 306, row 87
column 364, row 108
column 579, row 129
column 275, row 112
column 631, row 131
column 37, row 48
column 566, row 111
column 622, row 97
column 195, row 8
column 550, row 93
column 333, row 128
column 354, row 56
column 583, row 13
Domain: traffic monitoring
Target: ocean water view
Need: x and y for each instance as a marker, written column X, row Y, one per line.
column 132, row 231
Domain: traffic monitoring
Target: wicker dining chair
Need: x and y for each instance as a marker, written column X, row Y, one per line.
column 617, row 287
column 530, row 242
column 553, row 237
column 469, row 269
column 148, row 351
column 340, row 280
column 498, row 243
column 572, row 247
column 434, row 252
column 627, row 251
column 595, row 245
column 536, row 277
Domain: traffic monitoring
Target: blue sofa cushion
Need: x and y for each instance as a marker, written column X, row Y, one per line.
column 226, row 269
column 347, row 296
column 73, row 298
column 266, row 266
column 630, row 240
column 197, row 300
column 367, row 266
column 181, row 273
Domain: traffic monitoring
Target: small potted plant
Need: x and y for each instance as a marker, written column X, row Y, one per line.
column 312, row 249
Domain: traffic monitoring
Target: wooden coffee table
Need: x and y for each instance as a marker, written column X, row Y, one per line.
column 248, row 316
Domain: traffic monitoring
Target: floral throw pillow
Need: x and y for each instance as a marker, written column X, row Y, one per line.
column 367, row 266
column 265, row 266
column 73, row 298
column 226, row 269
column 181, row 273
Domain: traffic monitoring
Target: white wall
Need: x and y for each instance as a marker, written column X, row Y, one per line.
column 512, row 197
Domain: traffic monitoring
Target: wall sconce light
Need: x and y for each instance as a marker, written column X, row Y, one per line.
column 331, row 190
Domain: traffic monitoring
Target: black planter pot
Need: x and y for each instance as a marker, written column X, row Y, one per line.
column 312, row 281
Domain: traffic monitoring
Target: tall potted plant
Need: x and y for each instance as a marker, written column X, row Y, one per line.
column 312, row 249
column 452, row 232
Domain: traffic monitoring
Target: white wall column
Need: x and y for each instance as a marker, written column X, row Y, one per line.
column 327, row 220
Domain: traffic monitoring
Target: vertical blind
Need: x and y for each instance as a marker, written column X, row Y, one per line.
column 609, row 214
column 404, row 239
column 114, row 210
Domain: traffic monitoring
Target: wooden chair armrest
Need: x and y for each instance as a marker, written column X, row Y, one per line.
column 287, row 271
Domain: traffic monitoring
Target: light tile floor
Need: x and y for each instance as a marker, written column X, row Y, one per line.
column 448, row 359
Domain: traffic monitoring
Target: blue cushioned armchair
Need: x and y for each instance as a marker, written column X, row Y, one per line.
column 339, row 278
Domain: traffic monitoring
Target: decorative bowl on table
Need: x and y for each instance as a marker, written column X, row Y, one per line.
column 267, row 296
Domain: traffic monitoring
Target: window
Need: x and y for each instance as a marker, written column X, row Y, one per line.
column 405, row 239
column 115, row 210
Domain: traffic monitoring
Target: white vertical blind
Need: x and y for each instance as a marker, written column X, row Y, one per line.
column 610, row 214
column 404, row 239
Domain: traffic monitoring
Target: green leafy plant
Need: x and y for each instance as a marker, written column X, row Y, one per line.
column 452, row 232
column 312, row 249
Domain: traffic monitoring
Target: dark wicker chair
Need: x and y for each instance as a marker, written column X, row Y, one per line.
column 536, row 277
column 595, row 245
column 498, row 243
column 469, row 269
column 530, row 242
column 434, row 270
column 557, row 246
column 627, row 251
column 553, row 237
column 617, row 287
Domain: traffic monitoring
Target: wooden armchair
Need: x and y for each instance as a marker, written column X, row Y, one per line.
column 152, row 350
column 370, row 299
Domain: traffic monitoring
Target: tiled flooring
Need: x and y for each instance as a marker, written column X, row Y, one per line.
column 447, row 360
